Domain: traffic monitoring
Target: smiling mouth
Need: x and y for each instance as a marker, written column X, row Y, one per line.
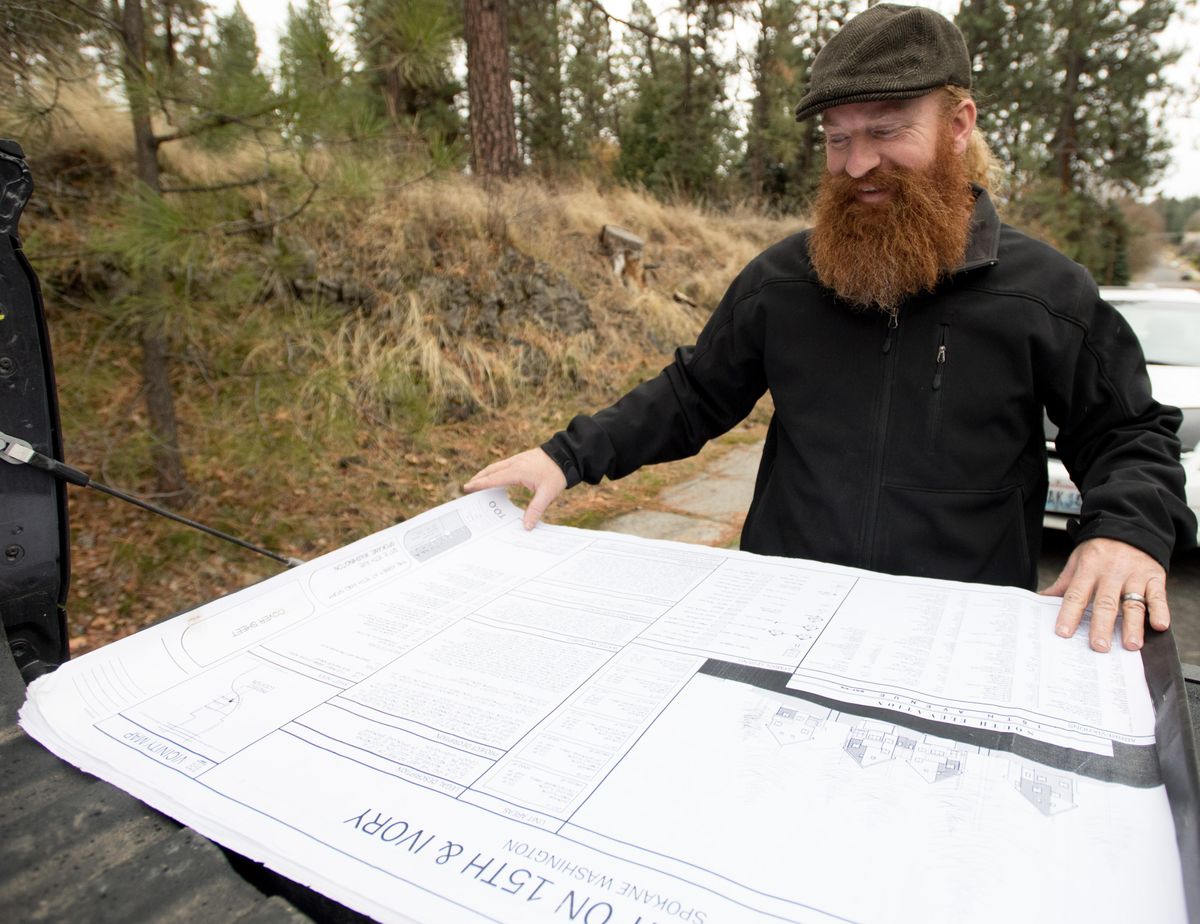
column 872, row 192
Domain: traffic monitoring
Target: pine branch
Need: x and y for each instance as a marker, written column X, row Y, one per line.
column 681, row 43
column 40, row 10
column 218, row 187
column 247, row 227
column 41, row 111
column 416, row 179
column 217, row 120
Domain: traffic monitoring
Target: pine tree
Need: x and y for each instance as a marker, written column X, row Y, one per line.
column 235, row 85
column 156, row 372
column 1179, row 215
column 51, row 30
column 147, row 49
column 783, row 161
column 1066, row 89
column 589, row 88
column 406, row 48
column 493, row 127
column 176, row 48
column 536, row 39
column 1009, row 46
column 677, row 133
column 315, row 78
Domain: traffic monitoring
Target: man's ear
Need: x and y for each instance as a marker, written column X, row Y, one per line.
column 962, row 123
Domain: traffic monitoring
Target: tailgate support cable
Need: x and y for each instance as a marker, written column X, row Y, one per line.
column 19, row 452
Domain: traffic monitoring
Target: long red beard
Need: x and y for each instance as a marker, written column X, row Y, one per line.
column 879, row 255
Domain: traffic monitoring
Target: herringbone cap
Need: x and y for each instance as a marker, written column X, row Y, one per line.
column 887, row 52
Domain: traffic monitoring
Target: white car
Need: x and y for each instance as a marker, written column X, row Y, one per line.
column 1167, row 323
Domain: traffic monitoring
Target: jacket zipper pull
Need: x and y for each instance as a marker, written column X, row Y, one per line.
column 893, row 323
column 941, row 364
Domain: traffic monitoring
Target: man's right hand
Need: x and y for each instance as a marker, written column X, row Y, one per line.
column 532, row 469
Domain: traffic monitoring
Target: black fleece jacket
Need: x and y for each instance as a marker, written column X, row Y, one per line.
column 915, row 446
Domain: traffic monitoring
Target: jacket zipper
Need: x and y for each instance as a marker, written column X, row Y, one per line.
column 893, row 323
column 875, row 486
column 939, row 372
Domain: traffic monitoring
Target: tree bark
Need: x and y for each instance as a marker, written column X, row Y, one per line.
column 160, row 406
column 1066, row 137
column 156, row 372
column 489, row 90
column 756, row 146
column 1065, row 143
column 169, row 38
column 133, row 68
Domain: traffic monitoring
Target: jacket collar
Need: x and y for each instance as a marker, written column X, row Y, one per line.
column 983, row 248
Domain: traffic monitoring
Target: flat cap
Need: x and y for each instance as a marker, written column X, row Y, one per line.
column 887, row 52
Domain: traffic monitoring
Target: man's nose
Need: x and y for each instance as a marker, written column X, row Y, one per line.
column 862, row 159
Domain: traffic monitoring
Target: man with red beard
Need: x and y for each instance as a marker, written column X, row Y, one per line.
column 912, row 343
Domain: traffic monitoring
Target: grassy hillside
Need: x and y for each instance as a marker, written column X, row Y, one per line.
column 342, row 367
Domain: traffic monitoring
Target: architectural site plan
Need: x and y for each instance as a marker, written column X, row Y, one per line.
column 456, row 719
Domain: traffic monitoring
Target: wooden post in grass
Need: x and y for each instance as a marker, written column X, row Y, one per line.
column 624, row 248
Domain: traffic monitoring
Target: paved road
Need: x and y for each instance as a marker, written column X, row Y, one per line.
column 709, row 509
column 1170, row 270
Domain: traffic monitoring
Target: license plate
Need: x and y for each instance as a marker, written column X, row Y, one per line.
column 1064, row 500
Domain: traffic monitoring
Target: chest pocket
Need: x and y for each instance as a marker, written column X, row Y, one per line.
column 941, row 369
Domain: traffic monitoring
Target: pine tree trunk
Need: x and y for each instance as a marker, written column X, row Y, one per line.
column 156, row 374
column 1065, row 142
column 1066, row 138
column 756, row 144
column 160, row 406
column 492, row 121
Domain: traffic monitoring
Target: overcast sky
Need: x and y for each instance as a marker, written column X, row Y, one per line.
column 1181, row 179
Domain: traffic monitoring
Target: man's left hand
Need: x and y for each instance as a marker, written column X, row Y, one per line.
column 1100, row 572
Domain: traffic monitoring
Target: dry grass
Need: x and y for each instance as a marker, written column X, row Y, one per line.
column 80, row 120
column 442, row 227
column 69, row 116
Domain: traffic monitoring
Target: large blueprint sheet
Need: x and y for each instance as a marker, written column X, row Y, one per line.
column 458, row 720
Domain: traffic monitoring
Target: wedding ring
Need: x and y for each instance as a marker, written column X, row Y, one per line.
column 1136, row 598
